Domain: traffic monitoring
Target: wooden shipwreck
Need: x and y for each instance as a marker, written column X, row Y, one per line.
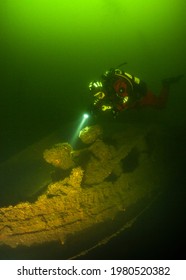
column 96, row 190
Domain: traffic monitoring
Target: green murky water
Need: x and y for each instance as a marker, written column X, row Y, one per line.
column 51, row 50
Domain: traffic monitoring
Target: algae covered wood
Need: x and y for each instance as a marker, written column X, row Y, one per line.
column 97, row 189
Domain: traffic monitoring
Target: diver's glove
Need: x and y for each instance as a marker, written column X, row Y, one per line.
column 93, row 111
column 115, row 113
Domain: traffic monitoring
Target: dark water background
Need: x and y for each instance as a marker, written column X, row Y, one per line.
column 51, row 50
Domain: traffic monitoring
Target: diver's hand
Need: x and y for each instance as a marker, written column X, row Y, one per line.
column 115, row 113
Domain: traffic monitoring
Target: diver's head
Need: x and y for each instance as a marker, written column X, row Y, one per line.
column 110, row 75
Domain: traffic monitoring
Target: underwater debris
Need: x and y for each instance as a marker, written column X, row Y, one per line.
column 100, row 164
column 90, row 133
column 60, row 156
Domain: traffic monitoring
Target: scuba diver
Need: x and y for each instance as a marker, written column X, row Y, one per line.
column 118, row 91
